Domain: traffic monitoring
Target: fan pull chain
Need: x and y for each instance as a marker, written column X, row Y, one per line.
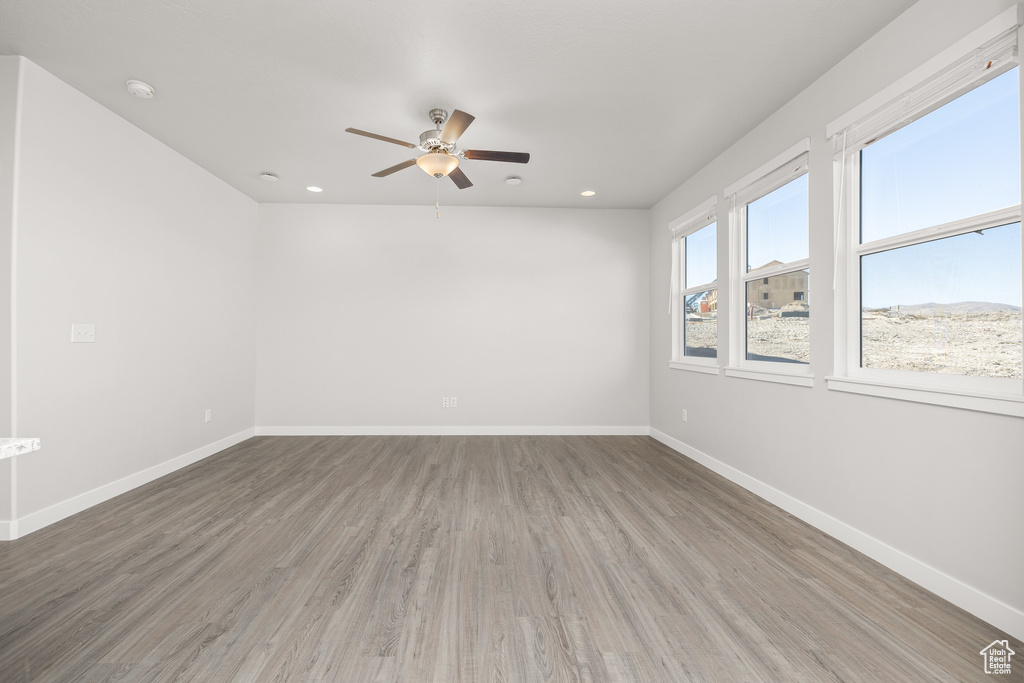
column 437, row 202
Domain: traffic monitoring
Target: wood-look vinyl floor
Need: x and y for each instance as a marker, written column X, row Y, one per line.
column 506, row 558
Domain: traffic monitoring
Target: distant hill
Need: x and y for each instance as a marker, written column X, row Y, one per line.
column 933, row 308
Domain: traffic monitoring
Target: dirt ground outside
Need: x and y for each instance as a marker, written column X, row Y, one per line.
column 956, row 340
column 979, row 344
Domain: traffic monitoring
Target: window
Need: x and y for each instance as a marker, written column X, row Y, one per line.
column 929, row 235
column 769, row 271
column 694, row 300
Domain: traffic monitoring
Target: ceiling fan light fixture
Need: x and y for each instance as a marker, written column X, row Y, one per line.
column 438, row 164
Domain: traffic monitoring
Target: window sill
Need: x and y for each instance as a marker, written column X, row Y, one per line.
column 11, row 446
column 1001, row 404
column 802, row 379
column 695, row 366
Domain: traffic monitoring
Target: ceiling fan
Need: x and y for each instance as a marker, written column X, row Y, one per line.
column 441, row 156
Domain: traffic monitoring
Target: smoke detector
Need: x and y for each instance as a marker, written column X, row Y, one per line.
column 513, row 180
column 269, row 177
column 140, row 89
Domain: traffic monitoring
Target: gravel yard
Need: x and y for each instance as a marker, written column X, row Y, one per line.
column 958, row 342
column 702, row 337
column 977, row 344
column 773, row 338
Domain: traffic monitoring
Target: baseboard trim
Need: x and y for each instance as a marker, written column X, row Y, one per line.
column 983, row 606
column 8, row 530
column 47, row 516
column 432, row 430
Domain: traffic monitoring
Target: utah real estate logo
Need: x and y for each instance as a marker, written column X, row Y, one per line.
column 997, row 657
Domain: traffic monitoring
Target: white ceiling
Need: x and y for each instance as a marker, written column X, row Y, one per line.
column 627, row 99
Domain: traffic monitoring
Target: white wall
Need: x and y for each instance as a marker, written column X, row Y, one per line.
column 9, row 68
column 941, row 487
column 8, row 115
column 118, row 230
column 530, row 317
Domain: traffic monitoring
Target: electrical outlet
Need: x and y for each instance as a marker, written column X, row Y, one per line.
column 453, row 402
column 445, row 402
column 209, row 414
column 83, row 334
column 684, row 416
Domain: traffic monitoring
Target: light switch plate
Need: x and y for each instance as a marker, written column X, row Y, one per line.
column 83, row 334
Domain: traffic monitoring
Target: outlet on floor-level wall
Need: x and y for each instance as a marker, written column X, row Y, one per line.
column 209, row 414
column 83, row 334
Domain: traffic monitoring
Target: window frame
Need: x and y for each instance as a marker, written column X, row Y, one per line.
column 983, row 55
column 783, row 169
column 693, row 221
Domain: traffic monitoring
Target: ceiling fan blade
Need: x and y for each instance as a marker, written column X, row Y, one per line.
column 457, row 124
column 393, row 169
column 460, row 179
column 379, row 137
column 485, row 155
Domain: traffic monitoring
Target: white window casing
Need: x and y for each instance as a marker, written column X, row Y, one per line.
column 986, row 53
column 941, row 79
column 781, row 170
column 694, row 220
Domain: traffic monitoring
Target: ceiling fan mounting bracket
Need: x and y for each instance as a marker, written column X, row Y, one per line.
column 438, row 116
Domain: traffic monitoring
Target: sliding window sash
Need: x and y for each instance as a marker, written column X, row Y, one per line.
column 697, row 219
column 784, row 169
column 989, row 52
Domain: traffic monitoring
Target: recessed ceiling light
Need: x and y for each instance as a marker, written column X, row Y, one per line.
column 269, row 177
column 140, row 89
column 513, row 180
column 314, row 188
column 588, row 193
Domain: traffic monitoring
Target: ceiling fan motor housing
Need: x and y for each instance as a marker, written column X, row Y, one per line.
column 430, row 141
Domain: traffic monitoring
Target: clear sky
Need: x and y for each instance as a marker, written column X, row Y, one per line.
column 961, row 160
column 701, row 256
column 969, row 267
column 777, row 225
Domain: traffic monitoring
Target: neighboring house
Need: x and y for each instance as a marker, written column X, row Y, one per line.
column 778, row 290
column 703, row 303
column 712, row 302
